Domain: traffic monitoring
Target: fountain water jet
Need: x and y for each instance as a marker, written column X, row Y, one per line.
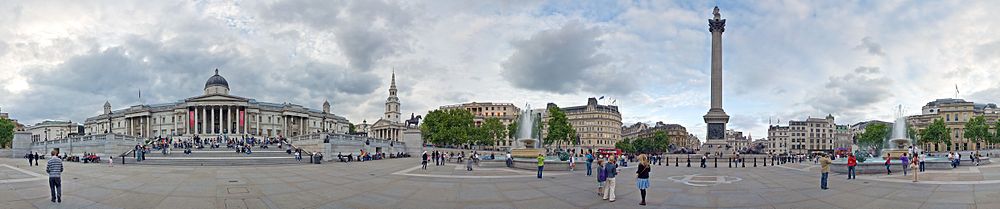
column 898, row 143
column 528, row 146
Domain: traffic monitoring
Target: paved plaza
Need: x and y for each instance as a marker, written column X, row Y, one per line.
column 400, row 183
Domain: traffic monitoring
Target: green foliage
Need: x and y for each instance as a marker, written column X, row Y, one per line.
column 491, row 130
column 6, row 132
column 560, row 131
column 937, row 132
column 874, row 135
column 976, row 130
column 912, row 133
column 625, row 145
column 661, row 141
column 996, row 134
column 512, row 130
column 448, row 127
column 351, row 129
column 656, row 144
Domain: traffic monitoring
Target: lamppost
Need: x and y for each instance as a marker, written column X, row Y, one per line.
column 46, row 140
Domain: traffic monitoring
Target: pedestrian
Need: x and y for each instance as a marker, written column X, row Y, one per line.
column 888, row 157
column 423, row 164
column 905, row 163
column 951, row 158
column 610, row 170
column 55, row 168
column 468, row 165
column 572, row 163
column 923, row 157
column 111, row 161
column 590, row 160
column 914, row 167
column 601, row 178
column 825, row 164
column 704, row 159
column 642, row 178
column 541, row 163
column 510, row 161
column 851, row 163
column 37, row 157
column 958, row 159
column 30, row 158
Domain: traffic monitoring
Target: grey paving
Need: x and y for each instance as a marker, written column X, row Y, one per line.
column 396, row 184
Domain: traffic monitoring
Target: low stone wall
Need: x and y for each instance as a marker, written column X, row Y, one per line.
column 6, row 153
column 878, row 167
column 525, row 164
column 101, row 144
column 332, row 144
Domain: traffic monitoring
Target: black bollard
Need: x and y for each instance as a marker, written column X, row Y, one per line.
column 730, row 162
column 716, row 162
column 743, row 162
column 689, row 161
column 677, row 161
column 755, row 162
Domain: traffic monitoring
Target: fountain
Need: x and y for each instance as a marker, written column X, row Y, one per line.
column 527, row 145
column 899, row 142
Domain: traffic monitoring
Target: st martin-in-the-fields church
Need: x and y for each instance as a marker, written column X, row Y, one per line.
column 389, row 126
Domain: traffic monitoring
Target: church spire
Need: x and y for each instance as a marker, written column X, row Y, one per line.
column 392, row 103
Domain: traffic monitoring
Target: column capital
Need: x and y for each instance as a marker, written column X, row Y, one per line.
column 717, row 25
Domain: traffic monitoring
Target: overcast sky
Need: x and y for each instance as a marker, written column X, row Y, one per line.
column 782, row 59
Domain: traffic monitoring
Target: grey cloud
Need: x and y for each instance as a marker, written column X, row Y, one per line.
column 564, row 60
column 870, row 46
column 852, row 94
column 367, row 31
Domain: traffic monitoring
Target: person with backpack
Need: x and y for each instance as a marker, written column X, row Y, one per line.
column 590, row 160
column 601, row 178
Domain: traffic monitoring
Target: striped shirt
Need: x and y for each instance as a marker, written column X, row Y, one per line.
column 54, row 167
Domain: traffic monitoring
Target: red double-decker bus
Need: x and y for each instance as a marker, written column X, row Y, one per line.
column 609, row 152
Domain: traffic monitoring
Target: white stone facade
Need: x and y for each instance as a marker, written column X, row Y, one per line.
column 216, row 113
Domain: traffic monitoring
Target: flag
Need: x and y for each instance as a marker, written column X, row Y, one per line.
column 613, row 101
column 602, row 97
column 956, row 91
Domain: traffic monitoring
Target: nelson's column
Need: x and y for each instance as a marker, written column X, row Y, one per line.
column 716, row 118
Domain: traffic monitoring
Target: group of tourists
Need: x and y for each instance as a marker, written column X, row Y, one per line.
column 33, row 157
column 607, row 172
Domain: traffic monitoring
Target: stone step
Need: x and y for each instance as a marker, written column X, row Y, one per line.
column 221, row 161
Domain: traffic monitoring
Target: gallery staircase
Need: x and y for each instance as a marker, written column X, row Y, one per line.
column 220, row 157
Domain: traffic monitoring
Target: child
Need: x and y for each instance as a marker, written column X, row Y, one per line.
column 601, row 177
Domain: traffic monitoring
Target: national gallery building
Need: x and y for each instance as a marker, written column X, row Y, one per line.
column 216, row 113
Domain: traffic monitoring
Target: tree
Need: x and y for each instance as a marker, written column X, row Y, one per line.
column 874, row 135
column 6, row 132
column 351, row 128
column 976, row 130
column 560, row 131
column 996, row 134
column 512, row 130
column 625, row 145
column 492, row 130
column 661, row 141
column 936, row 132
column 447, row 127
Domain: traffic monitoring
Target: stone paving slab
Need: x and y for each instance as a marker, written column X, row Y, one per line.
column 383, row 184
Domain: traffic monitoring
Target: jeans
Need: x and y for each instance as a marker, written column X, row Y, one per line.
column 822, row 180
column 887, row 169
column 921, row 166
column 904, row 168
column 588, row 168
column 55, row 186
column 540, row 171
column 850, row 173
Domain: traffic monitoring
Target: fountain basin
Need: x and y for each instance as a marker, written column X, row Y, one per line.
column 878, row 166
column 526, row 153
